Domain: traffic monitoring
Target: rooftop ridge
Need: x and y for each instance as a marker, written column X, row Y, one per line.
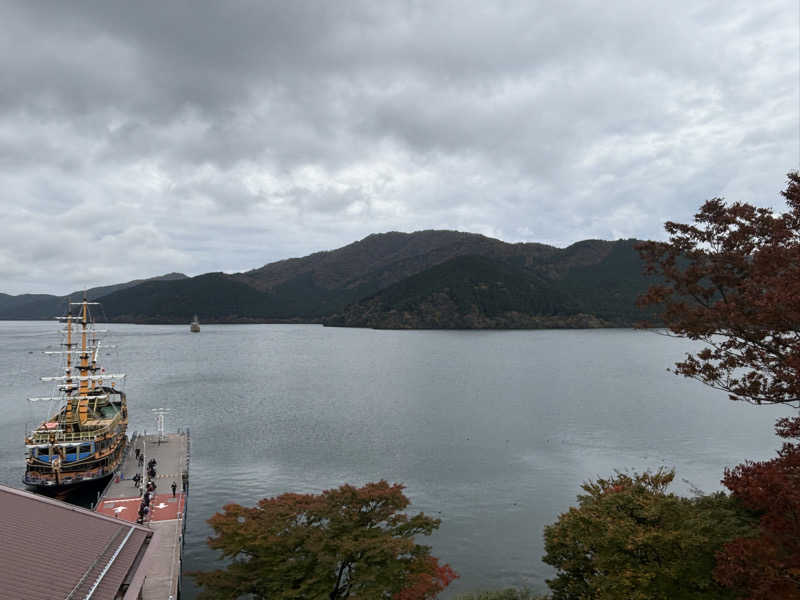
column 66, row 506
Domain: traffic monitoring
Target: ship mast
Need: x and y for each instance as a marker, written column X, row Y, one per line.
column 83, row 367
column 77, row 410
column 86, row 383
column 68, row 387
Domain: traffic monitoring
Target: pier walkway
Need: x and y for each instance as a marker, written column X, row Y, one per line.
column 161, row 568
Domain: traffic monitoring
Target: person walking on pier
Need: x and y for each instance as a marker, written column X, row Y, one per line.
column 174, row 487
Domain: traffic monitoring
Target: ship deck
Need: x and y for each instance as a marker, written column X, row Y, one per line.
column 121, row 499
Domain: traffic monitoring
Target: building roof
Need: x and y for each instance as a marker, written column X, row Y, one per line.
column 51, row 549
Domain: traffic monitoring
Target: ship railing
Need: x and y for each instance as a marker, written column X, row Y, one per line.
column 60, row 436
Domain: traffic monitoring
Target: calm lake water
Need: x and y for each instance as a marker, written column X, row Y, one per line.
column 493, row 432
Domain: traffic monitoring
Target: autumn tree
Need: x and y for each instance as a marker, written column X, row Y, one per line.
column 767, row 566
column 629, row 538
column 732, row 281
column 426, row 582
column 343, row 543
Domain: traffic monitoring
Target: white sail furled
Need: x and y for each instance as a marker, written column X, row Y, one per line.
column 85, row 377
column 46, row 398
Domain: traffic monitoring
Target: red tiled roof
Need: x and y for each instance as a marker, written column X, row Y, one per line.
column 50, row 549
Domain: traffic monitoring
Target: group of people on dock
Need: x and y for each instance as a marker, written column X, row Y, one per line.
column 148, row 487
column 147, row 498
column 151, row 464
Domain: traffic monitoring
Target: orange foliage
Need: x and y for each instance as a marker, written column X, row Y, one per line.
column 428, row 583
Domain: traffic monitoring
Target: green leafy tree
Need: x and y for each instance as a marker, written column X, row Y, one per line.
column 343, row 543
column 629, row 538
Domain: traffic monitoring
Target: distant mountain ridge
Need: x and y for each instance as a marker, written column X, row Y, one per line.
column 590, row 283
column 45, row 306
column 355, row 264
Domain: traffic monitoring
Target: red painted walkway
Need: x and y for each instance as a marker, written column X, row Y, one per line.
column 163, row 507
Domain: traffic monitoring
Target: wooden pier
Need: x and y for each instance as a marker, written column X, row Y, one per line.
column 160, row 571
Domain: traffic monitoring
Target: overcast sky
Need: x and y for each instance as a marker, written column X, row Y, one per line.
column 138, row 138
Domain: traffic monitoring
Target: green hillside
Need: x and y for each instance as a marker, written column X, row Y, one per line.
column 467, row 292
column 589, row 284
column 213, row 296
column 609, row 288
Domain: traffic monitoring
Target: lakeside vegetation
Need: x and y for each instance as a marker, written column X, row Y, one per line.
column 731, row 280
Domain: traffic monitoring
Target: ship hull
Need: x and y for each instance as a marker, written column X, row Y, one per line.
column 51, row 486
column 42, row 478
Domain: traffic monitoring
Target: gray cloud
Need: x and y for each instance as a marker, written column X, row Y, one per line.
column 203, row 136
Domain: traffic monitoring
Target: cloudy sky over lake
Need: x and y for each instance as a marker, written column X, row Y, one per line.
column 138, row 138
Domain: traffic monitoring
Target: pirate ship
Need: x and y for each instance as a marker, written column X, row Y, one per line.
column 84, row 439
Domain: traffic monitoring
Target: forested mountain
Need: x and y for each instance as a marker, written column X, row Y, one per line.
column 46, row 306
column 466, row 292
column 382, row 259
column 8, row 302
column 467, row 279
column 486, row 292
